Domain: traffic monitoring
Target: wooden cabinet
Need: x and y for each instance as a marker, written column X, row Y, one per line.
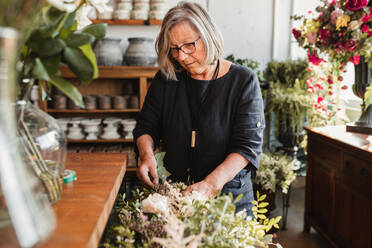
column 338, row 186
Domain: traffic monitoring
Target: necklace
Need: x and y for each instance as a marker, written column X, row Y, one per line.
column 195, row 116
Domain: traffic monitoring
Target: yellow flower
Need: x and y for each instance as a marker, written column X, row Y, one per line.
column 342, row 21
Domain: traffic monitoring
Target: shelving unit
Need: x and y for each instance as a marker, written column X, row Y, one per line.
column 111, row 81
column 130, row 22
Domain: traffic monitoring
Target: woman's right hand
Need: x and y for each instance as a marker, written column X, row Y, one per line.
column 148, row 164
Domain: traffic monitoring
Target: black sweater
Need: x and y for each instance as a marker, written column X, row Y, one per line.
column 231, row 121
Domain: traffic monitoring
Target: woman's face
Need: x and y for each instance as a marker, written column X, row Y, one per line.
column 182, row 34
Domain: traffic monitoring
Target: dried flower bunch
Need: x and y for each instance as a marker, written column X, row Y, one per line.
column 339, row 32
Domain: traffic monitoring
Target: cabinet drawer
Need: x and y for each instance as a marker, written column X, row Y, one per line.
column 357, row 171
column 324, row 153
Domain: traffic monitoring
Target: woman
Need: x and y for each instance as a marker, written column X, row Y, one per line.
column 207, row 112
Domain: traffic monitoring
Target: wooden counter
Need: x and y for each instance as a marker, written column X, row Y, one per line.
column 85, row 205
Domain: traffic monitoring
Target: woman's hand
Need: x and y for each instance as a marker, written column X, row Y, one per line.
column 203, row 187
column 148, row 164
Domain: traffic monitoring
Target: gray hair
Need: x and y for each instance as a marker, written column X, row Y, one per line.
column 199, row 20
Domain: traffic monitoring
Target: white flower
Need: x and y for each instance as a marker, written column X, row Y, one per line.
column 65, row 5
column 82, row 16
column 155, row 203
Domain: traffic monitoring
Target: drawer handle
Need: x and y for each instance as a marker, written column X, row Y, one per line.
column 348, row 165
column 363, row 172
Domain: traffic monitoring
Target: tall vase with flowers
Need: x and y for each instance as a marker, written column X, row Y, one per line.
column 340, row 31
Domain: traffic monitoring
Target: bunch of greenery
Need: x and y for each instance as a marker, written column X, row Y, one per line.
column 54, row 39
column 163, row 217
column 288, row 97
column 250, row 63
column 275, row 171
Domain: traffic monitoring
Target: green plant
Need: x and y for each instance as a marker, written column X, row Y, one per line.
column 250, row 63
column 54, row 40
column 275, row 171
column 287, row 95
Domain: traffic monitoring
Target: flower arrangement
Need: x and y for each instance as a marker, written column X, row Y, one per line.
column 275, row 171
column 339, row 32
column 165, row 218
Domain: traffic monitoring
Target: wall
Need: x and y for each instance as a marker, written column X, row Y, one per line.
column 253, row 29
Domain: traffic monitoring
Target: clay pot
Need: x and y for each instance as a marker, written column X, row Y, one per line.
column 140, row 52
column 108, row 52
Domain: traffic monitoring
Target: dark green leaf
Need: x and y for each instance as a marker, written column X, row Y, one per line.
column 68, row 89
column 89, row 54
column 39, row 71
column 78, row 63
column 54, row 15
column 46, row 48
column 70, row 20
column 51, row 64
column 97, row 30
column 79, row 39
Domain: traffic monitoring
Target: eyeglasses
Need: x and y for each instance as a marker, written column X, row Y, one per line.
column 186, row 48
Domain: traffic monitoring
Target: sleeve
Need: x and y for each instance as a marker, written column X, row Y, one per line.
column 248, row 123
column 149, row 119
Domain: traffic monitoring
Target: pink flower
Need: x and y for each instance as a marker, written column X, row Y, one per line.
column 329, row 80
column 355, row 59
column 319, row 86
column 366, row 18
column 364, row 28
column 324, row 33
column 351, row 45
column 344, row 87
column 311, row 37
column 354, row 5
column 370, row 33
column 335, row 14
column 332, row 2
column 320, row 99
column 296, row 33
column 339, row 47
column 313, row 58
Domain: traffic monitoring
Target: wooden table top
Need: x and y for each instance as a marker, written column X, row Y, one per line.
column 85, row 205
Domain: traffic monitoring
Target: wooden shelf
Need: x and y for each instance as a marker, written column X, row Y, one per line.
column 150, row 22
column 117, row 72
column 100, row 141
column 83, row 111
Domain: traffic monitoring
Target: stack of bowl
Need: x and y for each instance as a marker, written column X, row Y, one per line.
column 123, row 9
column 158, row 9
column 140, row 9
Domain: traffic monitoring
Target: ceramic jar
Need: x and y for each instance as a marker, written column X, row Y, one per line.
column 59, row 102
column 120, row 102
column 72, row 105
column 110, row 131
column 140, row 52
column 90, row 102
column 104, row 102
column 108, row 52
column 91, row 127
column 128, row 126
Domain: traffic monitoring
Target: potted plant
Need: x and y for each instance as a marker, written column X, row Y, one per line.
column 275, row 172
column 288, row 99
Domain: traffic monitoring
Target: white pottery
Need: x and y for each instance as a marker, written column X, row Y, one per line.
column 91, row 127
column 139, row 14
column 157, row 14
column 124, row 6
column 75, row 133
column 107, row 15
column 141, row 6
column 121, row 14
column 108, row 52
column 111, row 129
column 63, row 123
column 141, row 1
column 159, row 6
column 128, row 126
column 140, row 52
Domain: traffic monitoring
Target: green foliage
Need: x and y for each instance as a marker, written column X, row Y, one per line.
column 287, row 94
column 191, row 222
column 250, row 63
column 286, row 72
column 162, row 172
column 54, row 40
column 259, row 210
column 275, row 171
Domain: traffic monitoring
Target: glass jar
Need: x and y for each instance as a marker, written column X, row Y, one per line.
column 22, row 197
column 46, row 143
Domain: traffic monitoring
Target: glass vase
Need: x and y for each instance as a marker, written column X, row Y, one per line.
column 45, row 145
column 23, row 199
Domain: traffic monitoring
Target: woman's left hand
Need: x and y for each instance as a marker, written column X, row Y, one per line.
column 203, row 187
